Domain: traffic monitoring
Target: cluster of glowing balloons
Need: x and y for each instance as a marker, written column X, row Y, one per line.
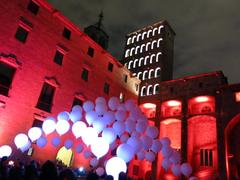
column 104, row 126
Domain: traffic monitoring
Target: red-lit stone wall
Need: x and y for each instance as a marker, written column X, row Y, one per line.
column 36, row 66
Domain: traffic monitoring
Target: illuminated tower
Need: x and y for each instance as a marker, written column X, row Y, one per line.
column 148, row 55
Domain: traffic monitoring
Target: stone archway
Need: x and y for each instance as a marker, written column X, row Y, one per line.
column 232, row 148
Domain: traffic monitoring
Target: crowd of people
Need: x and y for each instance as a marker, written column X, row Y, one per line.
column 17, row 170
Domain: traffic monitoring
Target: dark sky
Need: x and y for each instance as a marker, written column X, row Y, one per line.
column 208, row 31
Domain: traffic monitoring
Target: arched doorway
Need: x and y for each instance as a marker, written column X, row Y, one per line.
column 232, row 144
column 65, row 156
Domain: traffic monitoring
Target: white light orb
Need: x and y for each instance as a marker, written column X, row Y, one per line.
column 77, row 108
column 152, row 132
column 186, row 169
column 75, row 115
column 41, row 142
column 90, row 117
column 89, row 136
column 100, row 171
column 129, row 104
column 125, row 152
column 176, row 170
column 99, row 147
column 141, row 155
column 165, row 141
column 88, row 106
column 34, row 133
column 130, row 126
column 78, row 129
column 166, row 164
column 114, row 166
column 101, row 100
column 141, row 126
column 136, row 143
column 120, row 115
column 48, row 126
column 150, row 156
column 68, row 144
column 63, row 116
column 62, row 127
column 156, row 146
column 113, row 103
column 167, row 151
column 21, row 140
column 108, row 117
column 109, row 135
column 124, row 138
column 99, row 125
column 5, row 150
column 119, row 127
column 26, row 147
column 101, row 108
column 146, row 142
column 121, row 107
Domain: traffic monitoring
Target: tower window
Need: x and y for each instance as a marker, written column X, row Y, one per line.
column 77, row 101
column 21, row 34
column 37, row 123
column 90, row 52
column 206, row 157
column 136, row 87
column 46, row 97
column 33, row 7
column 66, row 33
column 125, row 78
column 110, row 67
column 85, row 74
column 58, row 58
column 6, row 77
column 106, row 88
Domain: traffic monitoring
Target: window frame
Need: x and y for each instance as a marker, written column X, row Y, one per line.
column 33, row 7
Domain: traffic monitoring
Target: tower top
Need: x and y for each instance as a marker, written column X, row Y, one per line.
column 99, row 24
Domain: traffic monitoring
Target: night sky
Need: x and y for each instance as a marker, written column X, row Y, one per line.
column 207, row 31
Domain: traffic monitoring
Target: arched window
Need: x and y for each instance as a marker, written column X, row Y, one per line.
column 129, row 41
column 127, row 52
column 151, row 74
column 133, row 39
column 143, row 91
column 154, row 31
column 145, row 75
column 157, row 72
column 152, row 47
column 143, row 34
column 151, row 58
column 150, row 90
column 142, row 47
column 138, row 37
column 130, row 64
column 159, row 41
column 135, row 63
column 132, row 50
column 136, row 50
column 147, row 46
column 158, row 56
column 146, row 59
column 160, row 28
column 148, row 33
column 156, row 89
column 140, row 63
column 139, row 75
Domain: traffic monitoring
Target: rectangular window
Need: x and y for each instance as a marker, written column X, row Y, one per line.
column 46, row 97
column 6, row 77
column 90, row 52
column 110, row 67
column 21, row 34
column 33, row 7
column 106, row 88
column 37, row 123
column 58, row 58
column 125, row 78
column 85, row 74
column 77, row 101
column 136, row 87
column 66, row 33
column 206, row 157
column 237, row 96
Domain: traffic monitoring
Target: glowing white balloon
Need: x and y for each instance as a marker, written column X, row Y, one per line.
column 130, row 126
column 114, row 166
column 101, row 108
column 165, row 141
column 99, row 125
column 129, row 104
column 26, row 147
column 101, row 100
column 124, row 138
column 5, row 150
column 21, row 140
column 90, row 117
column 120, row 115
column 150, row 156
column 147, row 142
column 156, row 146
column 89, row 136
column 75, row 115
column 109, row 135
column 88, row 106
column 78, row 128
column 152, row 131
column 99, row 147
column 48, row 126
column 125, row 152
column 113, row 103
column 119, row 127
column 77, row 108
column 121, row 107
column 166, row 164
column 167, row 151
column 141, row 126
column 62, row 127
column 136, row 143
column 176, row 170
column 94, row 162
column 63, row 116
column 141, row 155
column 34, row 133
column 108, row 117
column 100, row 171
column 186, row 169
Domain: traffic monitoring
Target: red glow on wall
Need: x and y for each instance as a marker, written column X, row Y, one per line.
column 173, row 103
column 201, row 99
